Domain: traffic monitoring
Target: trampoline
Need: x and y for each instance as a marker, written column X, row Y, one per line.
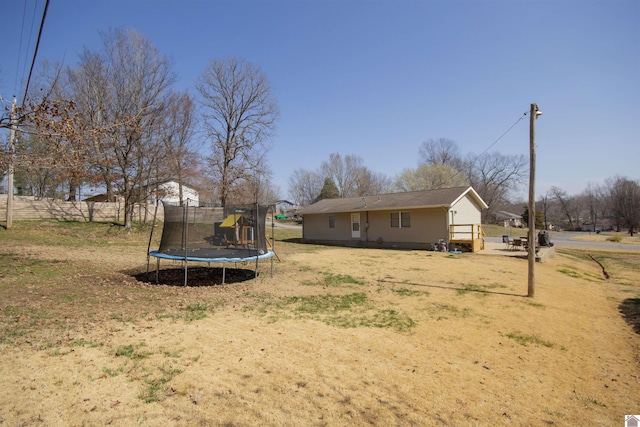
column 235, row 234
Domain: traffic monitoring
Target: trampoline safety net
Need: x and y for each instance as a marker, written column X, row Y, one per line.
column 214, row 232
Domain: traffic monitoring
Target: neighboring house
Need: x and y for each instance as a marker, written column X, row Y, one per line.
column 285, row 207
column 509, row 219
column 169, row 191
column 412, row 220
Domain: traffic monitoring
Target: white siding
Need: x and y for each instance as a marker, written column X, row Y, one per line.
column 170, row 192
column 465, row 211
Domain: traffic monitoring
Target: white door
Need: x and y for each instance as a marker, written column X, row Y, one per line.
column 355, row 225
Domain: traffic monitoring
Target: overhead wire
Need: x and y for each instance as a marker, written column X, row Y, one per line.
column 503, row 134
column 35, row 52
column 15, row 83
column 26, row 56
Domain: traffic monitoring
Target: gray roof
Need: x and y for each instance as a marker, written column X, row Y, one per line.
column 443, row 197
column 507, row 215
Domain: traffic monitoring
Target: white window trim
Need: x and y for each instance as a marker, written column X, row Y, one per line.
column 400, row 219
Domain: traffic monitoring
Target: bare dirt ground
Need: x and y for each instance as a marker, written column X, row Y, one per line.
column 336, row 336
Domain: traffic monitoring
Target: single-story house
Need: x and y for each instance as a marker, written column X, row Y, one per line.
column 411, row 220
column 285, row 207
column 509, row 219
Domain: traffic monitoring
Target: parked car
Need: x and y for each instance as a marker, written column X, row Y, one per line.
column 281, row 216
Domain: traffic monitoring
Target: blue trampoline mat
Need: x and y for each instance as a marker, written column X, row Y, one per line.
column 214, row 254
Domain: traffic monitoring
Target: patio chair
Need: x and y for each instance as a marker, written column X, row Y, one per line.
column 508, row 242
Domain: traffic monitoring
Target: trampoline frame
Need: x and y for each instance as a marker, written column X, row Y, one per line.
column 185, row 259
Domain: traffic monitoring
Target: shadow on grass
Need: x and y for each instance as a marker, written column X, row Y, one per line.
column 630, row 310
column 453, row 288
column 292, row 240
column 197, row 276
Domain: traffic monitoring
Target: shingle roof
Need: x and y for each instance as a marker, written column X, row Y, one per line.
column 444, row 197
column 507, row 215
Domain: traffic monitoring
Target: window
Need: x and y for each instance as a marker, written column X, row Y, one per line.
column 395, row 219
column 400, row 219
column 405, row 219
column 332, row 221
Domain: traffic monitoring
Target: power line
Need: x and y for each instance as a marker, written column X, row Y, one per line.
column 24, row 15
column 35, row 53
column 502, row 136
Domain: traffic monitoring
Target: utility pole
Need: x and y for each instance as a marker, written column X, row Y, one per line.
column 12, row 153
column 531, row 238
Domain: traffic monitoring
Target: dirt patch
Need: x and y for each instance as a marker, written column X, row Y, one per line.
column 336, row 336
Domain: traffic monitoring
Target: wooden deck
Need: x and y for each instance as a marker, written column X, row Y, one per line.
column 470, row 235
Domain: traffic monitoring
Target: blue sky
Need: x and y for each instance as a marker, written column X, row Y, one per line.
column 377, row 78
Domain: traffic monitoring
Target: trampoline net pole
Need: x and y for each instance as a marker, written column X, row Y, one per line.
column 153, row 226
column 185, row 225
column 256, row 237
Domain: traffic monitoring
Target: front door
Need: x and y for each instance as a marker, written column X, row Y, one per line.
column 355, row 225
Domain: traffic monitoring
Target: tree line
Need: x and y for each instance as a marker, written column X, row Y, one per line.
column 611, row 205
column 614, row 204
column 115, row 121
column 495, row 176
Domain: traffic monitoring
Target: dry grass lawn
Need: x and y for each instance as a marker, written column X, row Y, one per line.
column 336, row 337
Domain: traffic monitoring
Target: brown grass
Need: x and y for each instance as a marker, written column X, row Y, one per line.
column 337, row 336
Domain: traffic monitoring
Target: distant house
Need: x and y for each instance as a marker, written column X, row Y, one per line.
column 412, row 220
column 285, row 207
column 169, row 191
column 166, row 191
column 509, row 219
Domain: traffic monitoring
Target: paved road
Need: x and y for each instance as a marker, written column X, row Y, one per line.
column 564, row 239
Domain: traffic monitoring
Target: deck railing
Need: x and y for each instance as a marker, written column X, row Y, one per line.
column 467, row 233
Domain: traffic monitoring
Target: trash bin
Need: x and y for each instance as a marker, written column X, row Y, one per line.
column 543, row 238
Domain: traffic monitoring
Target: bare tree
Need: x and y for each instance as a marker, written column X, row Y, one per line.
column 344, row 172
column 121, row 90
column 89, row 83
column 370, row 183
column 593, row 201
column 304, row 186
column 429, row 177
column 566, row 204
column 239, row 112
column 624, row 195
column 177, row 157
column 253, row 186
column 494, row 176
column 544, row 206
column 441, row 151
